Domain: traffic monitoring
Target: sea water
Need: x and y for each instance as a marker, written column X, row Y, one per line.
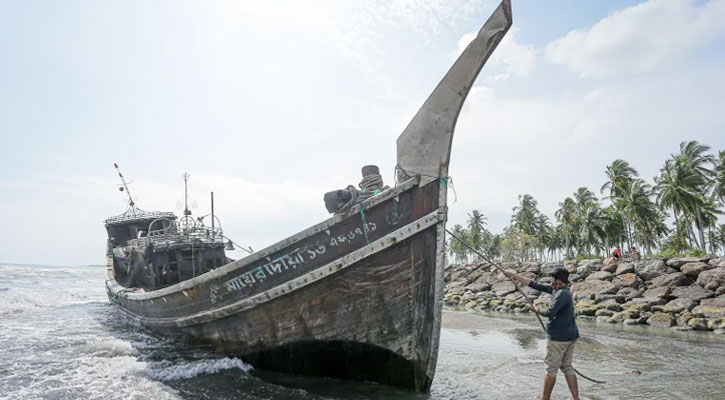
column 61, row 339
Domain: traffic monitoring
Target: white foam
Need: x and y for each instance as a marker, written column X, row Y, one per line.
column 110, row 347
column 195, row 368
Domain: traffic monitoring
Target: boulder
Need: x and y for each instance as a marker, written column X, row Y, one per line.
column 623, row 315
column 478, row 287
column 587, row 290
column 548, row 268
column 650, row 269
column 717, row 262
column 720, row 291
column 531, row 267
column 459, row 275
column 661, row 319
column 635, row 321
column 693, row 269
column 571, row 265
column 603, row 297
column 485, row 277
column 603, row 313
column 716, row 323
column 624, row 268
column 575, row 278
column 677, row 263
column 612, row 268
column 712, row 279
column 658, row 292
column 698, row 324
column 610, row 304
column 671, row 280
column 600, row 276
column 503, row 288
column 587, row 267
column 627, row 280
column 711, row 308
column 694, row 292
column 642, row 304
column 676, row 306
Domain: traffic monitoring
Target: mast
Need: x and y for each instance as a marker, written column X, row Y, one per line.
column 124, row 187
column 424, row 147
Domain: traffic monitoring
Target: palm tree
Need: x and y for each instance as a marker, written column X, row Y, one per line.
column 718, row 190
column 476, row 228
column 694, row 156
column 675, row 190
column 620, row 176
column 459, row 251
column 526, row 216
column 566, row 215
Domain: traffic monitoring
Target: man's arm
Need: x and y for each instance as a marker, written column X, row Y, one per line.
column 556, row 305
column 528, row 282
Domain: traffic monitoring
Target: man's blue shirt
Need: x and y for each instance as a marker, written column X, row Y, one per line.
column 562, row 325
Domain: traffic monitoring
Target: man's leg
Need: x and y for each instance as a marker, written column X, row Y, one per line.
column 554, row 355
column 568, row 369
column 573, row 386
column 549, row 382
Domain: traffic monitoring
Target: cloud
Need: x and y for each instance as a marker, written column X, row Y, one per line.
column 513, row 57
column 639, row 38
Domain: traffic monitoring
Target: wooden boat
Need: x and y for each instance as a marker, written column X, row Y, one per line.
column 357, row 296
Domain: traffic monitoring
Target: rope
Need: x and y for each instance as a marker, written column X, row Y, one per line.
column 541, row 322
column 365, row 224
column 443, row 180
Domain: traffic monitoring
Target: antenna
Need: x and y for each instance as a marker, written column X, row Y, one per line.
column 186, row 193
column 124, row 187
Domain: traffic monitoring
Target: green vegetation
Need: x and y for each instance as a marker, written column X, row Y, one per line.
column 677, row 216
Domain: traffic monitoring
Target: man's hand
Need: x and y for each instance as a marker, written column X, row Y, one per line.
column 510, row 273
column 534, row 308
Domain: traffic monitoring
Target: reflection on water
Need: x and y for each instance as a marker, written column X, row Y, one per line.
column 60, row 339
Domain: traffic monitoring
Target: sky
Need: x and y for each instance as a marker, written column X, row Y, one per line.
column 270, row 104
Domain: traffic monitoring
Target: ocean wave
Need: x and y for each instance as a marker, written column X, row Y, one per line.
column 110, row 348
column 195, row 368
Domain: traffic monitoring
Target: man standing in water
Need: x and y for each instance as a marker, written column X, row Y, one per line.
column 561, row 330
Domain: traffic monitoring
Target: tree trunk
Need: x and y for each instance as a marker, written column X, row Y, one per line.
column 701, row 229
column 677, row 226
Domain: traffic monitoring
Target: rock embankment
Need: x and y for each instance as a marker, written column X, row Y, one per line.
column 682, row 293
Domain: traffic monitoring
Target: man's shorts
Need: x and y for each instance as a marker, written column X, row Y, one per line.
column 559, row 355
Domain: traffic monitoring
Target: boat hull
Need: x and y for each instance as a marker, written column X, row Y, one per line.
column 365, row 308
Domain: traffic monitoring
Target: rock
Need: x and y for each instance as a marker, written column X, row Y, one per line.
column 720, row 291
column 693, row 292
column 604, row 319
column 629, row 293
column 661, row 319
column 503, row 288
column 650, row 269
column 600, row 276
column 587, row 290
column 478, row 287
column 635, row 321
column 571, row 265
column 587, row 267
column 459, row 275
column 548, row 268
column 695, row 268
column 676, row 305
column 530, row 292
column 610, row 304
column 606, row 313
column 712, row 279
column 602, row 297
column 624, row 315
column 677, row 263
column 698, row 324
column 624, row 268
column 671, row 280
column 533, row 267
column 575, row 278
column 642, row 304
column 717, row 262
column 711, row 308
column 683, row 317
column 659, row 292
column 611, row 268
column 716, row 323
column 627, row 280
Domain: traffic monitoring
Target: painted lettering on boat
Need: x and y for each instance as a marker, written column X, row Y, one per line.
column 293, row 259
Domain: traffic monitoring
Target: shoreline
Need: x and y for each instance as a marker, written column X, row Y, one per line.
column 681, row 294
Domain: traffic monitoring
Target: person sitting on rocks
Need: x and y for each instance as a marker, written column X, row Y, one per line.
column 634, row 254
column 617, row 253
column 561, row 330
